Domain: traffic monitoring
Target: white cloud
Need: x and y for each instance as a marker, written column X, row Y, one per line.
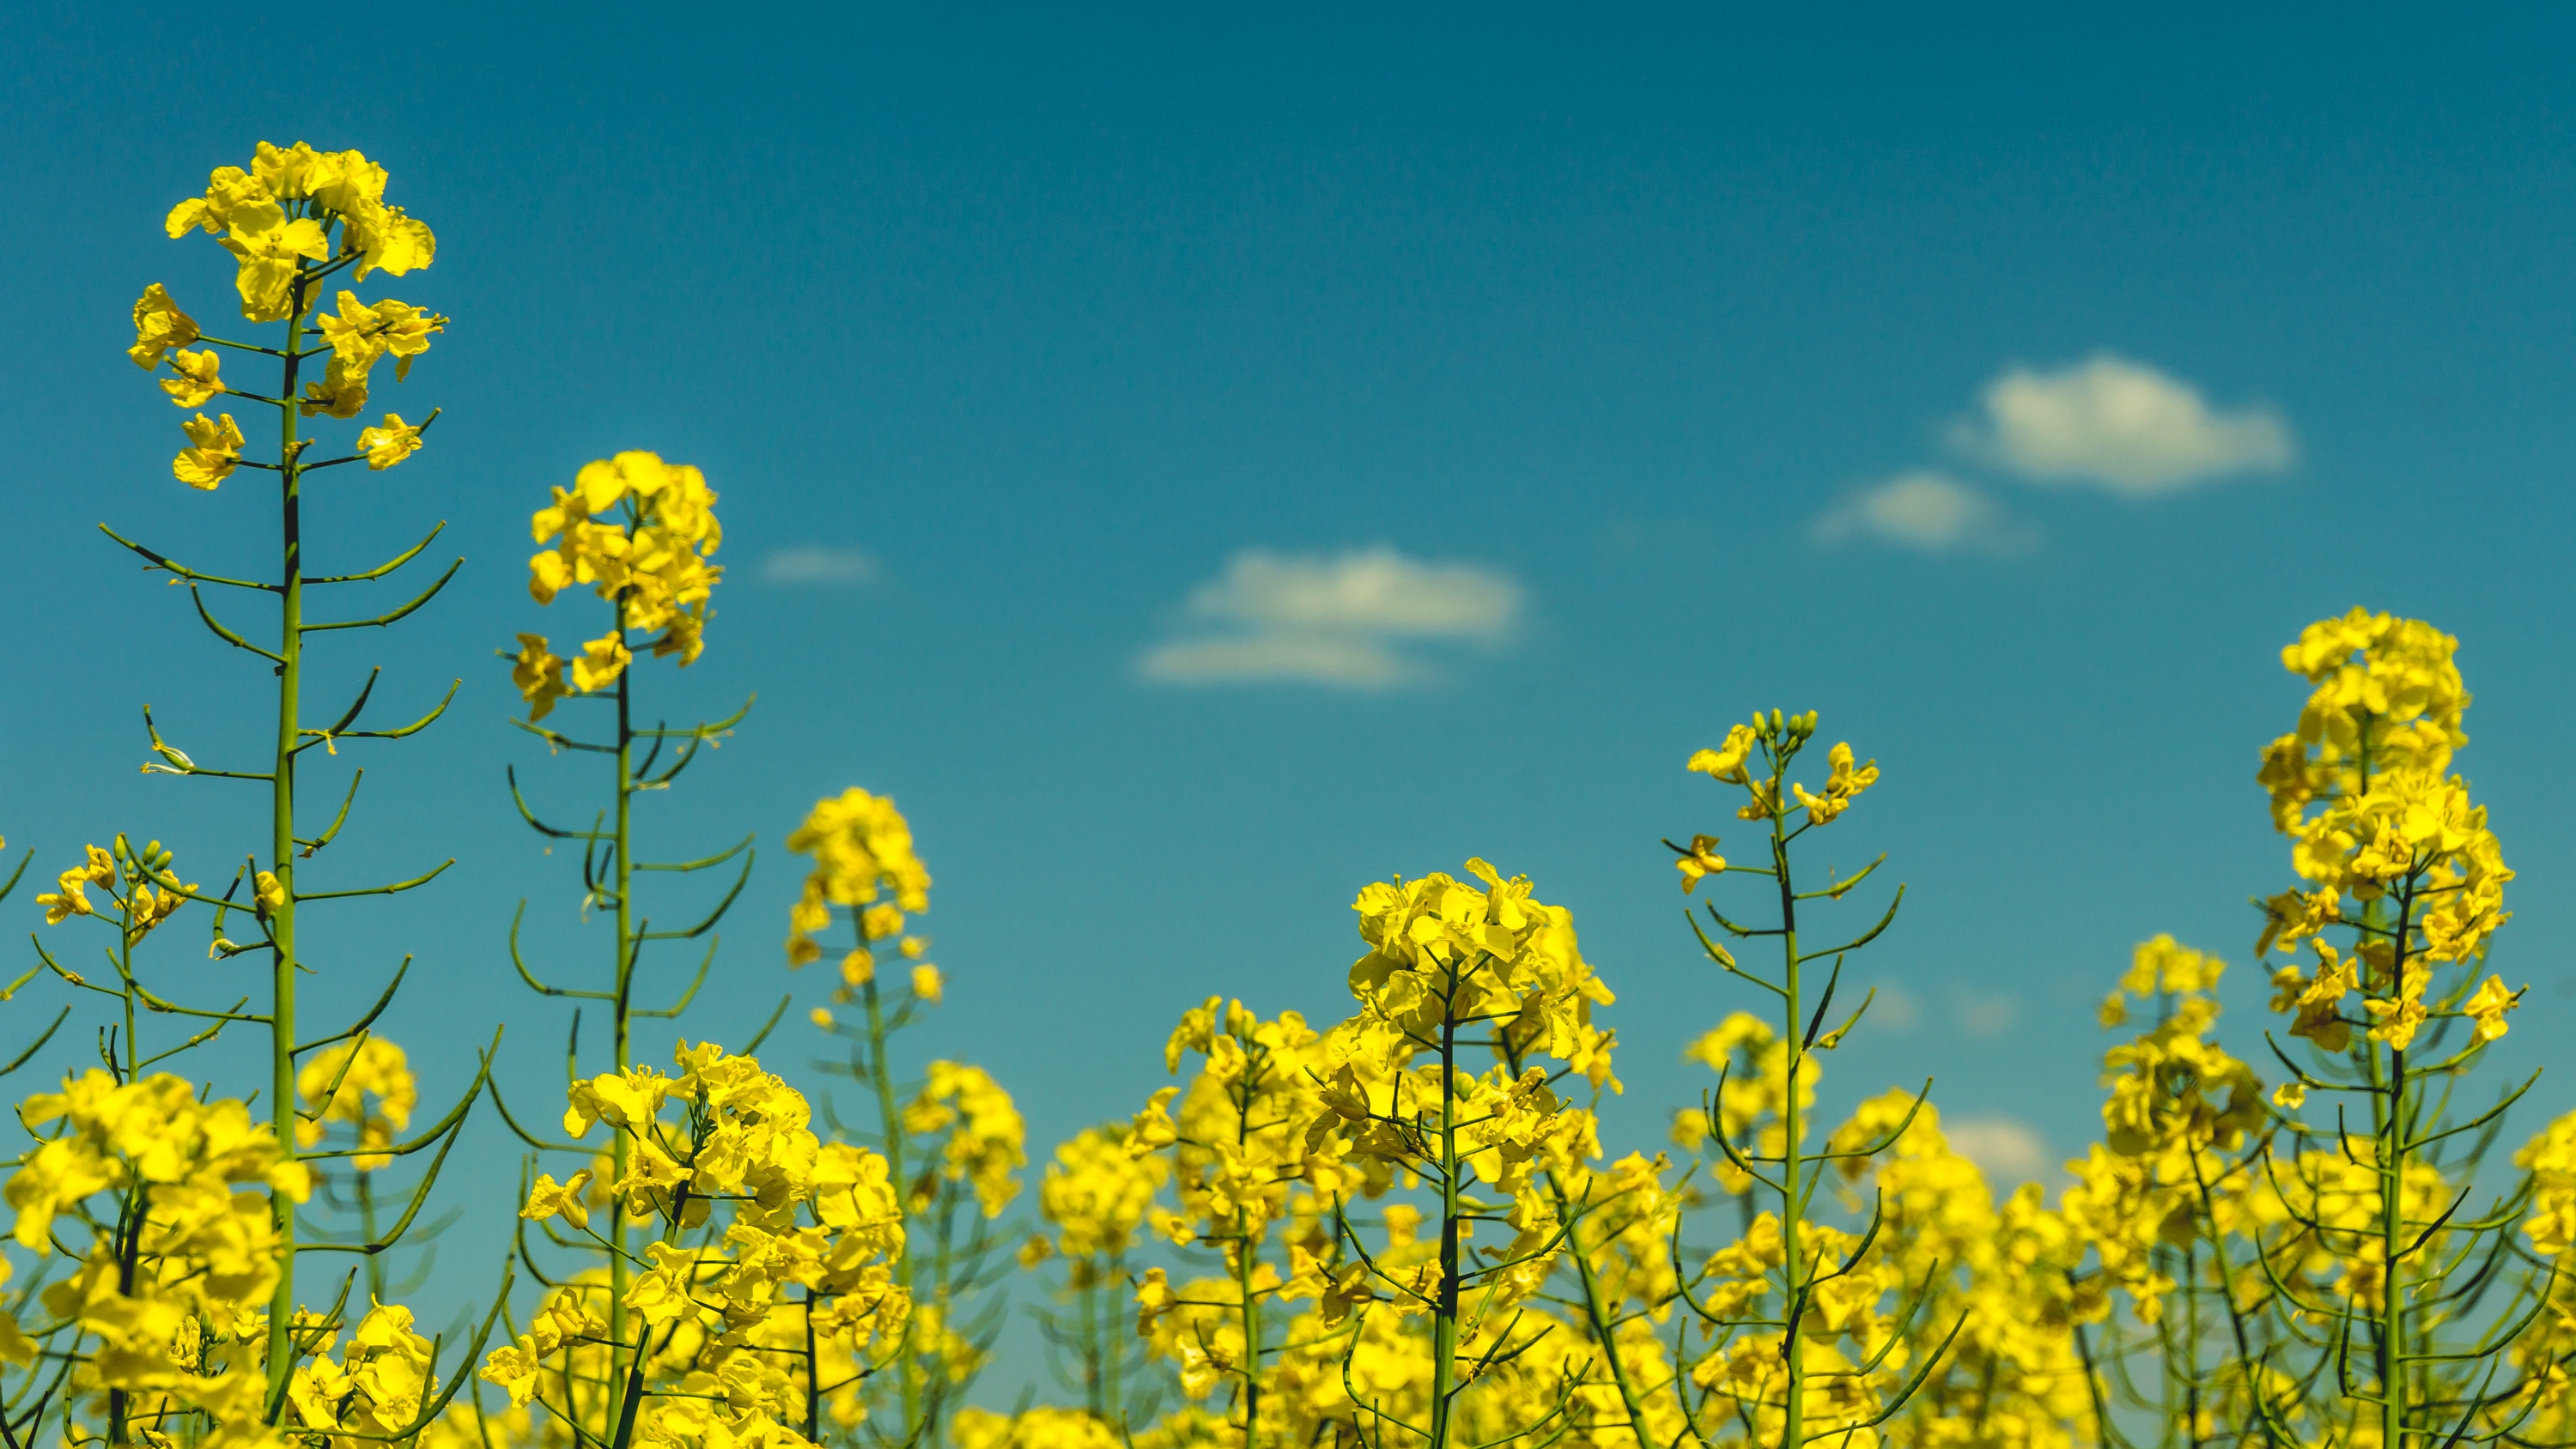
column 1352, row 660
column 1927, row 511
column 1987, row 1016
column 1332, row 620
column 2007, row 1150
column 1893, row 1009
column 2122, row 426
column 815, row 564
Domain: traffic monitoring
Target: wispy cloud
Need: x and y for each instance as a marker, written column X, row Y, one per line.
column 2122, row 426
column 1894, row 1009
column 1928, row 512
column 814, row 565
column 2007, row 1150
column 1337, row 620
column 1987, row 1016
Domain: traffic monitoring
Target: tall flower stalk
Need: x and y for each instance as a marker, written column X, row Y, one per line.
column 169, row 1154
column 636, row 533
column 2399, row 863
column 953, row 1141
column 1788, row 1378
column 1475, row 1005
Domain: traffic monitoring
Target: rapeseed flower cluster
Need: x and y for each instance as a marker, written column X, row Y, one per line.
column 955, row 1144
column 863, row 860
column 1400, row 1228
column 296, row 217
column 765, row 1236
column 160, row 1317
column 366, row 1084
column 639, row 532
column 2379, row 825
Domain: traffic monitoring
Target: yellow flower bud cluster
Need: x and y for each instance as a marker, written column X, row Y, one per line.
column 141, row 888
column 639, row 532
column 1443, row 949
column 714, row 1307
column 1756, row 757
column 2550, row 1158
column 283, row 209
column 170, row 1289
column 277, row 220
column 360, row 336
column 862, row 850
column 986, row 1140
column 2178, row 1106
column 2377, row 823
column 1238, row 1148
column 2316, row 1219
column 1095, row 1194
column 1753, row 1108
column 374, row 1390
column 1041, row 1427
column 368, row 1085
column 2009, row 1264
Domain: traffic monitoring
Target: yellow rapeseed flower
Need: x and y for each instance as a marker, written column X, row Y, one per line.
column 539, row 674
column 1844, row 786
column 390, row 444
column 159, row 326
column 197, row 379
column 215, row 450
column 2487, row 1007
column 1700, row 861
column 602, row 660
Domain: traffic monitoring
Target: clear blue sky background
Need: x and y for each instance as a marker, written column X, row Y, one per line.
column 1048, row 316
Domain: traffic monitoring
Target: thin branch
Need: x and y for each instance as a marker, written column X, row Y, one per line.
column 381, row 620
column 382, row 569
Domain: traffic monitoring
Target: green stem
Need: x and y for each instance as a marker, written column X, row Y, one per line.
column 366, row 1191
column 632, row 1398
column 1793, row 1349
column 125, row 969
column 1444, row 1322
column 2227, row 1293
column 2392, row 1238
column 1598, row 1316
column 813, row 1378
column 1113, row 1351
column 890, row 1134
column 1094, row 1370
column 129, row 1237
column 281, row 819
column 1250, row 1311
column 2192, row 1334
column 621, row 1007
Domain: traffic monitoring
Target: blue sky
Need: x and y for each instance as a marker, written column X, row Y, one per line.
column 1202, row 460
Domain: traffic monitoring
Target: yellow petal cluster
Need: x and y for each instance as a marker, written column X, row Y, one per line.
column 985, row 1141
column 639, row 532
column 1096, row 1192
column 1755, row 757
column 198, row 378
column 285, row 208
column 159, row 326
column 802, row 1256
column 164, row 1295
column 862, row 849
column 2550, row 1158
column 141, row 889
column 366, row 1084
column 214, row 451
column 1441, row 948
